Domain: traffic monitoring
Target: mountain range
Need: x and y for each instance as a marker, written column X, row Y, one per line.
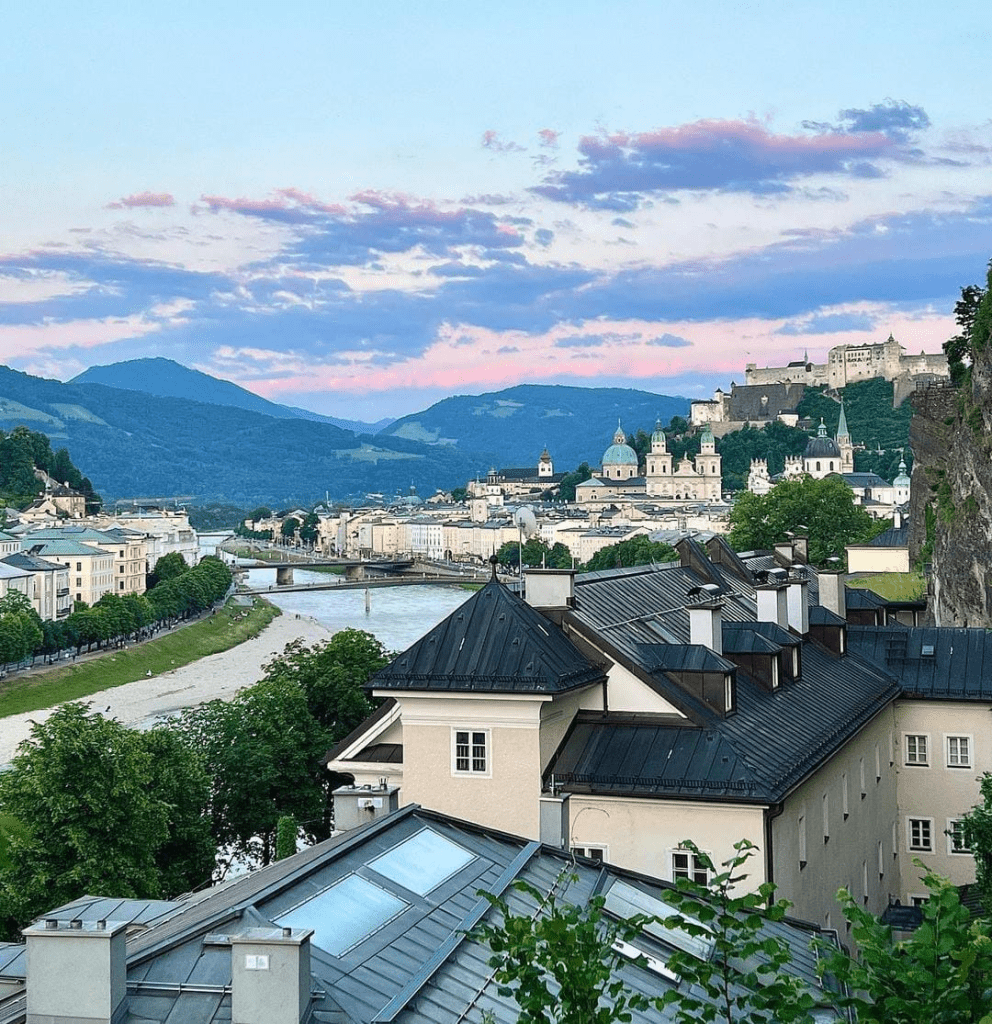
column 213, row 440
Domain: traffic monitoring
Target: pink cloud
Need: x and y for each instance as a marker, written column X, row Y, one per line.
column 142, row 199
column 491, row 140
column 549, row 138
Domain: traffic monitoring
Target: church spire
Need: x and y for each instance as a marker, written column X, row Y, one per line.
column 842, row 433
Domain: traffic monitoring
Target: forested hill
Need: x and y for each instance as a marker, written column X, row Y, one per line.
column 135, row 444
column 169, row 379
column 509, row 428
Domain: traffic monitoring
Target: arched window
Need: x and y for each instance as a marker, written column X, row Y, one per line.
column 818, row 467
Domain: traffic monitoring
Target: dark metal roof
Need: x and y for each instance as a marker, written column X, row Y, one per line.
column 820, row 616
column 421, row 967
column 929, row 661
column 495, row 642
column 894, row 537
column 862, row 597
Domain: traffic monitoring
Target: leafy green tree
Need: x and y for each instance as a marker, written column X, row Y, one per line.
column 308, row 528
column 566, row 489
column 824, row 508
column 459, row 494
column 180, row 784
column 958, row 349
column 535, row 553
column 772, row 442
column 332, row 675
column 636, row 551
column 558, row 960
column 261, row 751
column 939, row 975
column 289, row 527
column 262, row 512
column 168, row 567
column 745, row 979
column 285, row 837
column 82, row 786
column 560, row 556
column 977, row 833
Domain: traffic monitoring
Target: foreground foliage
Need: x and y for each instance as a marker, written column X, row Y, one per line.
column 941, row 974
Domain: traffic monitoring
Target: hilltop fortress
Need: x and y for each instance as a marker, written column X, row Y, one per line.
column 848, row 363
column 774, row 392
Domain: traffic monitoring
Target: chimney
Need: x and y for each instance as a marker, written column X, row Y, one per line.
column 798, row 591
column 773, row 603
column 358, row 805
column 550, row 588
column 555, row 826
column 76, row 971
column 270, row 975
column 706, row 624
column 832, row 594
column 896, row 520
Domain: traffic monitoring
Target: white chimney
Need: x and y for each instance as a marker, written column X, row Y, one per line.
column 76, row 971
column 832, row 595
column 549, row 588
column 798, row 591
column 270, row 975
column 773, row 604
column 706, row 625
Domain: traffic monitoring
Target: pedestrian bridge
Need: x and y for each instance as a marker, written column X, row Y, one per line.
column 354, row 569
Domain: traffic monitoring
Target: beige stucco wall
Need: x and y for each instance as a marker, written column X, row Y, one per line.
column 507, row 795
column 853, row 840
column 641, row 834
column 868, row 559
column 557, row 715
column 627, row 693
column 937, row 791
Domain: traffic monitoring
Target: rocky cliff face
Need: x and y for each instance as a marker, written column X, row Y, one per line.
column 951, row 505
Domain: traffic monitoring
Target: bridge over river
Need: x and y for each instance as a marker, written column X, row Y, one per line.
column 358, row 574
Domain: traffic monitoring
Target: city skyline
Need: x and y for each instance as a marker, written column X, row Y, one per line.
column 362, row 211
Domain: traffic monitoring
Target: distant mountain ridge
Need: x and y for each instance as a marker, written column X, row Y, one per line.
column 511, row 427
column 169, row 379
column 132, row 443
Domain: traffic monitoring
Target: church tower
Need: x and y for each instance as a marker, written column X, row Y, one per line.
column 709, row 466
column 545, row 467
column 659, row 462
column 844, row 443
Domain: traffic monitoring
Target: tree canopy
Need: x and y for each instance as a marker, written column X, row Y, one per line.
column 636, row 551
column 823, row 510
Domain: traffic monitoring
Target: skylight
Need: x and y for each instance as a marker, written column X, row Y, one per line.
column 626, row 901
column 344, row 914
column 422, row 862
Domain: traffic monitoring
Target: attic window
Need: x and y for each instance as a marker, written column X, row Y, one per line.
column 422, row 862
column 927, row 651
column 626, row 901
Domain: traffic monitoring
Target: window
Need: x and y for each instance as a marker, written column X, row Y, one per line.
column 958, row 751
column 861, row 771
column 121, row 585
column 920, row 832
column 801, row 829
column 917, row 749
column 878, row 764
column 881, row 861
column 686, row 864
column 79, row 567
column 956, row 839
column 471, row 754
column 79, row 581
column 826, row 818
column 592, row 852
column 845, row 809
column 864, row 882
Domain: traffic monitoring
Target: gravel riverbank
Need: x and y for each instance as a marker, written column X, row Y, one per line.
column 218, row 675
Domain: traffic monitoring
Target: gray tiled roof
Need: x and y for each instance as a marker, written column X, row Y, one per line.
column 494, row 642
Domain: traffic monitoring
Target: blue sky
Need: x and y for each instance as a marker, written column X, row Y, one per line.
column 360, row 210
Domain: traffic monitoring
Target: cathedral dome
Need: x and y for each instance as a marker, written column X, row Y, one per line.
column 619, row 453
column 821, row 446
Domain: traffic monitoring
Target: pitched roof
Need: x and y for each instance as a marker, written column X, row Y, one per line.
column 495, row 642
column 417, row 964
column 929, row 661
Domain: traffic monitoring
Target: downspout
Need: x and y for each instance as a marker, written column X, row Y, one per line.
column 771, row 813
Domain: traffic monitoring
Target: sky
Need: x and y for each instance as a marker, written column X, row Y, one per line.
column 360, row 209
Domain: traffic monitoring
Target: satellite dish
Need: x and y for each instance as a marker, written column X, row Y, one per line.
column 525, row 521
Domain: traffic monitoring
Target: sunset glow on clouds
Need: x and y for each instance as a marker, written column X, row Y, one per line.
column 331, row 252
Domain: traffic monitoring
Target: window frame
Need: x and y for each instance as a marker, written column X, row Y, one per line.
column 590, row 850
column 963, row 851
column 915, row 761
column 469, row 772
column 692, row 867
column 958, row 737
column 918, row 847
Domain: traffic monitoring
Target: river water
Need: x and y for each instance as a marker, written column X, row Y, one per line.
column 397, row 616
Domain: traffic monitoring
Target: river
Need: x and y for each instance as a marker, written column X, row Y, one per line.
column 397, row 616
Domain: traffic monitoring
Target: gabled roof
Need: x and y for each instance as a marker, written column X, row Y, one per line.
column 496, row 643
column 419, row 965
